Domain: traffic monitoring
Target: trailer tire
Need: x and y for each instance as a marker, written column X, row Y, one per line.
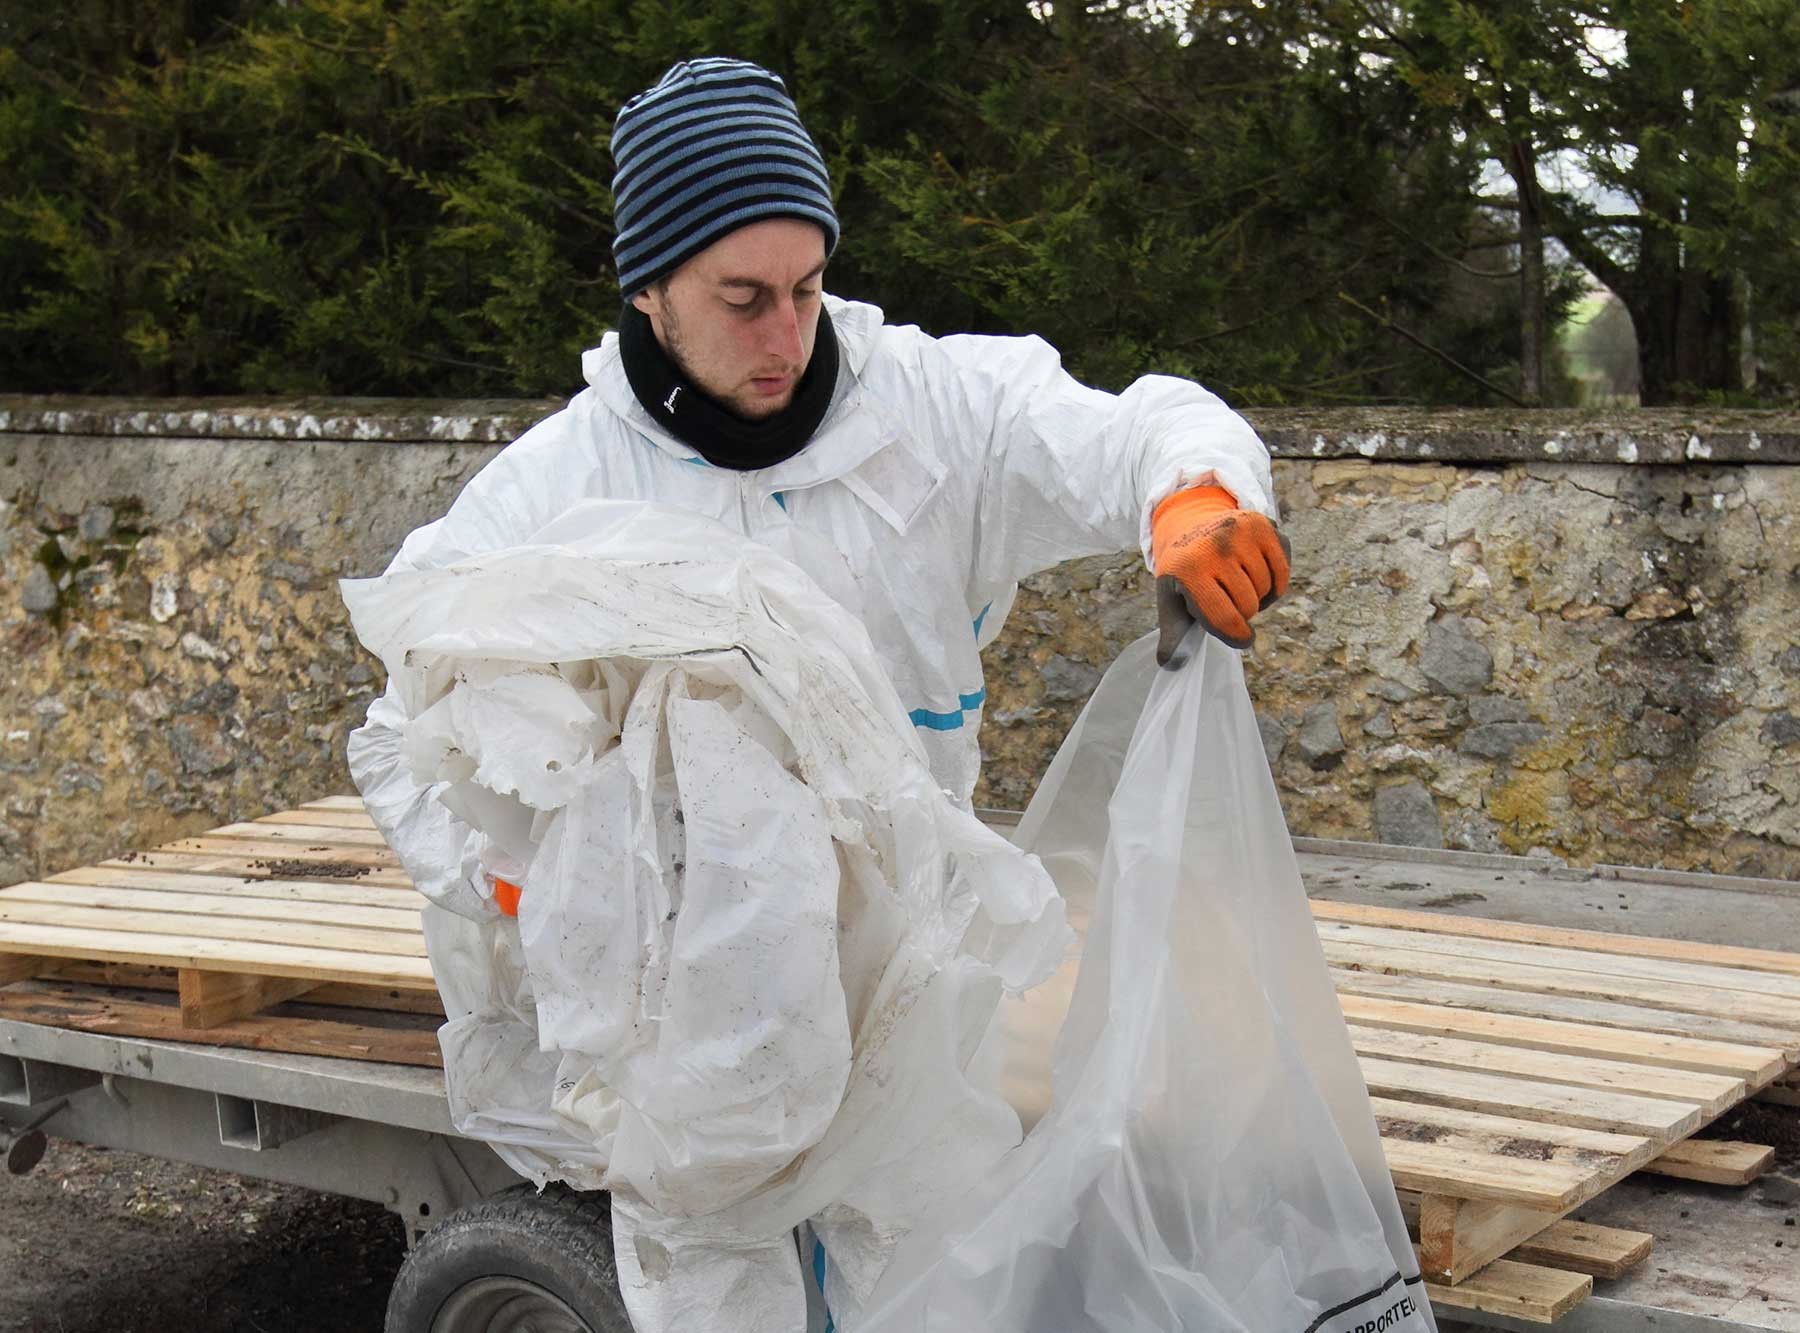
column 519, row 1259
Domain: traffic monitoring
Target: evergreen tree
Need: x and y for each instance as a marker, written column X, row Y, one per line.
column 1680, row 108
column 411, row 196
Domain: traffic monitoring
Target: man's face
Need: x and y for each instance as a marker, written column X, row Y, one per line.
column 739, row 318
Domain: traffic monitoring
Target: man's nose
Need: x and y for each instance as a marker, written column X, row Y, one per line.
column 783, row 332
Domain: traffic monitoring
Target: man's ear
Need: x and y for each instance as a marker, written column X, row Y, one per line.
column 646, row 301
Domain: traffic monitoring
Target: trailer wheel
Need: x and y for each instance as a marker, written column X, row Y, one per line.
column 518, row 1262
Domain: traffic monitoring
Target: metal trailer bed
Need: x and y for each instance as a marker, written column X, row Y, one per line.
column 382, row 1132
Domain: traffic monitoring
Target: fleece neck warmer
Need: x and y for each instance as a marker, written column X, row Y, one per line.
column 714, row 431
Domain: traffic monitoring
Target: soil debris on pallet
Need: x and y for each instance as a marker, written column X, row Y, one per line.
column 287, row 868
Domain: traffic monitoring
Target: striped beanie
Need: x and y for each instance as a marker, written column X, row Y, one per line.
column 714, row 145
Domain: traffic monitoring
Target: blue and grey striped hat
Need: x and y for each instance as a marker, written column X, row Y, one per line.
column 714, row 145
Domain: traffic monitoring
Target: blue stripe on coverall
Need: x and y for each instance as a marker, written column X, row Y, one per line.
column 819, row 1277
column 924, row 717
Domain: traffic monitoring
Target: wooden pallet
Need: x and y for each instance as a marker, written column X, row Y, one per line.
column 1515, row 1071
column 307, row 905
column 1585, row 1056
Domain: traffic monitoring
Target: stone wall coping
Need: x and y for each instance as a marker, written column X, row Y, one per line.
column 1658, row 435
column 1393, row 434
column 372, row 420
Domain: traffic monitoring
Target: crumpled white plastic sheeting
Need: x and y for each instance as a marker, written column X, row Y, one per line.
column 757, row 947
column 1209, row 1158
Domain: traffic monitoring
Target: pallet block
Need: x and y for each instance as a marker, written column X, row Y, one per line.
column 211, row 998
column 19, row 967
column 1713, row 1161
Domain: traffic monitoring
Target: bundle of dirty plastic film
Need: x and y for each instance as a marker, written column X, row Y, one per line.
column 753, row 979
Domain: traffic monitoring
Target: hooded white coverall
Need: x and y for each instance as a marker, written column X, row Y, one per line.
column 944, row 471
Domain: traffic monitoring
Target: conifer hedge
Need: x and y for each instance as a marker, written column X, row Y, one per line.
column 411, row 196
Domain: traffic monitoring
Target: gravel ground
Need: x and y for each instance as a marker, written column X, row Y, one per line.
column 95, row 1241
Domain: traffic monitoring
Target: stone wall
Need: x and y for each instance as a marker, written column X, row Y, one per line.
column 1514, row 632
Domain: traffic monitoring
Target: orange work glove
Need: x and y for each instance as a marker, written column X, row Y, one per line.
column 1215, row 563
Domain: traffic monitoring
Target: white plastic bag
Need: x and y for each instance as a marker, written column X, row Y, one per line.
column 757, row 946
column 1209, row 1159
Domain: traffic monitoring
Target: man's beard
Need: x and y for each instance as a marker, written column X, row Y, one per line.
column 676, row 348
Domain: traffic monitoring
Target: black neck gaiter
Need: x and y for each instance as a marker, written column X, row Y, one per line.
column 718, row 434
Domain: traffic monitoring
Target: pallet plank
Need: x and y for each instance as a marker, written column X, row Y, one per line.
column 1521, row 1137
column 385, row 998
column 1713, row 1093
column 336, row 803
column 1586, row 1247
column 213, row 904
column 237, row 865
column 356, row 819
column 1554, row 980
column 320, row 837
column 1488, row 1147
column 1583, row 961
column 1568, row 1008
column 208, row 999
column 228, row 929
column 1524, row 1291
column 1524, row 1099
column 68, row 1006
column 1639, row 946
column 348, row 893
column 1713, row 1161
column 274, row 849
column 218, row 955
column 1755, row 1065
column 336, row 994
column 1550, row 1186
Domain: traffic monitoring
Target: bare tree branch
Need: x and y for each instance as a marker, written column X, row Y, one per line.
column 1587, row 252
column 1450, row 259
column 424, row 355
column 1413, row 338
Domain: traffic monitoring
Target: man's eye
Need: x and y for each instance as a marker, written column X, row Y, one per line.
column 805, row 293
column 741, row 305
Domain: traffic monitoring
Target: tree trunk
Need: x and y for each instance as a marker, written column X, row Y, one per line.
column 1706, row 355
column 1534, row 324
column 1655, row 306
column 1689, row 324
column 1687, row 311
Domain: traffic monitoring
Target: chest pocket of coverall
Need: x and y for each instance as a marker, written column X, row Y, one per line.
column 910, row 554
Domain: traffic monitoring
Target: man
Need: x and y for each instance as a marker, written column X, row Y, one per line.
column 915, row 479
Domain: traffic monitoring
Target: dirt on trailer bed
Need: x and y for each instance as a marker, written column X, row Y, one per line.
column 1777, row 1127
column 95, row 1241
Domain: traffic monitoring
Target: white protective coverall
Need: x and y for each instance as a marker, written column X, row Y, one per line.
column 945, row 470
